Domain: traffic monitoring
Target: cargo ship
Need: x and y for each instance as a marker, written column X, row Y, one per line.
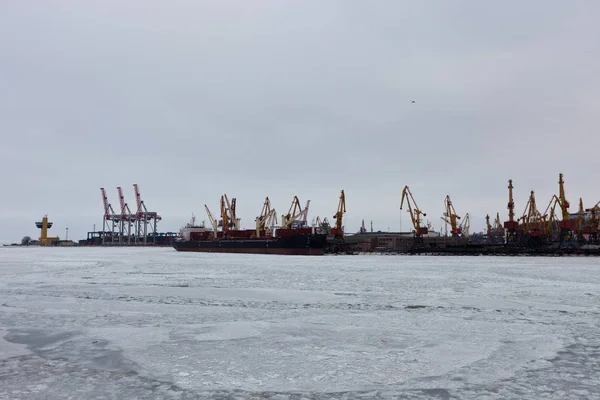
column 298, row 241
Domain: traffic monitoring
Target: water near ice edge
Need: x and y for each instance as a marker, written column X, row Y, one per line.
column 155, row 323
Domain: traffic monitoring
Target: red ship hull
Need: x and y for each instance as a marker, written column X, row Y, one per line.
column 287, row 242
column 293, row 252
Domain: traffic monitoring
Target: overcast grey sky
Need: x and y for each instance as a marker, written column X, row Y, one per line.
column 192, row 99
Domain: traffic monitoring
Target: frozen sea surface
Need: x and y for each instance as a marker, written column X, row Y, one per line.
column 153, row 323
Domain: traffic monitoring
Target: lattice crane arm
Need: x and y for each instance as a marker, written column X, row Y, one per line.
column 224, row 215
column 124, row 214
column 549, row 215
column 293, row 213
column 564, row 203
column 213, row 222
column 488, row 225
column 465, row 225
column 498, row 226
column 413, row 209
column 451, row 216
column 232, row 221
column 108, row 211
column 340, row 212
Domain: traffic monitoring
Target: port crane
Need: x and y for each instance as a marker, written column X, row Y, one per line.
column 321, row 226
column 339, row 215
column 451, row 218
column 532, row 221
column 266, row 220
column 212, row 221
column 498, row 226
column 234, row 221
column 229, row 220
column 566, row 225
column 294, row 213
column 549, row 218
column 465, row 225
column 224, row 221
column 146, row 221
column 304, row 215
column 126, row 219
column 362, row 227
column 414, row 211
column 495, row 231
column 591, row 228
column 489, row 229
column 511, row 225
column 580, row 217
column 110, row 218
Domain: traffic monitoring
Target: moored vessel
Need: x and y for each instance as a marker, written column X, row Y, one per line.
column 288, row 242
column 293, row 237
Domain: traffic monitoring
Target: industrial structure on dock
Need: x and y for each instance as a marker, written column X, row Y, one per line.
column 294, row 236
column 555, row 230
column 44, row 239
column 126, row 227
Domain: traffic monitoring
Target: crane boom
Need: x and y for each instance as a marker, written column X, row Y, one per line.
column 122, row 202
column 564, row 203
column 138, row 200
column 262, row 221
column 532, row 218
column 414, row 211
column 213, row 223
column 511, row 225
column 498, row 226
column 566, row 225
column 108, row 213
column 451, row 217
column 340, row 214
column 224, row 215
column 465, row 225
column 293, row 214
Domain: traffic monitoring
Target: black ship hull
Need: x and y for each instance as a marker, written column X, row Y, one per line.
column 309, row 245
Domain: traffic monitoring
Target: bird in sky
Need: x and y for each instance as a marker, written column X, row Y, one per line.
column 413, row 101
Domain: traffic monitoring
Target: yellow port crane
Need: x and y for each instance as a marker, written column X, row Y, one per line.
column 224, row 222
column 498, row 228
column 292, row 215
column 228, row 220
column 488, row 225
column 414, row 211
column 339, row 215
column 566, row 225
column 451, row 217
column 266, row 220
column 213, row 222
column 549, row 217
column 532, row 219
column 511, row 225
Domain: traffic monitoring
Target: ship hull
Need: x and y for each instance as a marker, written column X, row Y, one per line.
column 305, row 245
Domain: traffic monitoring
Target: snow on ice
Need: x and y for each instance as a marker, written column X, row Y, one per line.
column 154, row 323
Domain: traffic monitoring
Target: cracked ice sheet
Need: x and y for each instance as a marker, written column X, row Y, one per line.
column 222, row 325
